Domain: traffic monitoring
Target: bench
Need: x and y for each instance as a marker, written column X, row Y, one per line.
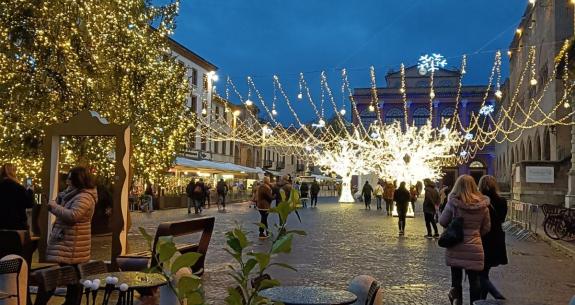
column 142, row 260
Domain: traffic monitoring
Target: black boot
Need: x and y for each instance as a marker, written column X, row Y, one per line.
column 493, row 291
column 455, row 296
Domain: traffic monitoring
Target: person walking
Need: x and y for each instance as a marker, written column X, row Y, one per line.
column 149, row 193
column 366, row 192
column 388, row 192
column 70, row 240
column 264, row 197
column 14, row 200
column 304, row 193
column 222, row 190
column 314, row 191
column 413, row 197
column 378, row 192
column 430, row 202
column 494, row 241
column 199, row 196
column 467, row 202
column 401, row 197
column 190, row 192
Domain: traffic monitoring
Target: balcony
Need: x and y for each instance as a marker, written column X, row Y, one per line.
column 268, row 163
column 280, row 165
column 300, row 167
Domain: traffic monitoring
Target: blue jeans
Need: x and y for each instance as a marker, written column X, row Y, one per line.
column 378, row 200
column 197, row 203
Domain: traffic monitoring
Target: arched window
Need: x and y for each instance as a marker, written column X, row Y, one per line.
column 392, row 115
column 476, row 164
column 447, row 113
column 420, row 116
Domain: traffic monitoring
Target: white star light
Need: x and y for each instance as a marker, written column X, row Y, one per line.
column 468, row 136
column 431, row 63
column 463, row 154
column 486, row 110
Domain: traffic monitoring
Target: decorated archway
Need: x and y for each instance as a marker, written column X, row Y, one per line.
column 88, row 123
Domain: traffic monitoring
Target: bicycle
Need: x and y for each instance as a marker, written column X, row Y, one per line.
column 559, row 222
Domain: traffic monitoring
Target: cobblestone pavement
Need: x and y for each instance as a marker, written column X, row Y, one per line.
column 344, row 241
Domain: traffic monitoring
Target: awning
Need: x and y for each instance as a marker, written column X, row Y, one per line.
column 274, row 173
column 214, row 167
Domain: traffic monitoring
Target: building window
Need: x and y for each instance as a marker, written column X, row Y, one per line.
column 392, row 115
column 205, row 81
column 194, row 77
column 447, row 113
column 420, row 116
column 194, row 103
column 217, row 147
column 225, row 147
column 476, row 164
column 217, row 113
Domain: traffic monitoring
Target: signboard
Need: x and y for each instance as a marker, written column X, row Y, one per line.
column 539, row 174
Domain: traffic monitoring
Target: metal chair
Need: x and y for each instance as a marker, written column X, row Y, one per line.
column 11, row 266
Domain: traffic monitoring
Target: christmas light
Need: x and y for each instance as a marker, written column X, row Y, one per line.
column 498, row 94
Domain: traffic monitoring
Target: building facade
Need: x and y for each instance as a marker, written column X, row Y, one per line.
column 417, row 88
column 544, row 27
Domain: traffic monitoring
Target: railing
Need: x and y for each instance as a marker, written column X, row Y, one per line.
column 268, row 163
column 522, row 219
column 280, row 165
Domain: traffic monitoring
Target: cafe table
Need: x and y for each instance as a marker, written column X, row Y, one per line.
column 306, row 295
column 134, row 280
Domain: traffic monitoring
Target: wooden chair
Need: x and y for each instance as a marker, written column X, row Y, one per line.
column 11, row 266
column 141, row 260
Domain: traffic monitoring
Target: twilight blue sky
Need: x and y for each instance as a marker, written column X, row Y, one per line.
column 261, row 38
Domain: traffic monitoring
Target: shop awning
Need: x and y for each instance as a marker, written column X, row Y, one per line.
column 274, row 173
column 213, row 167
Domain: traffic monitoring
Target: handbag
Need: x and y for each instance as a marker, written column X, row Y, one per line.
column 453, row 234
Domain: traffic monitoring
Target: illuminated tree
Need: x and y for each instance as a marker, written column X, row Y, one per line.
column 60, row 57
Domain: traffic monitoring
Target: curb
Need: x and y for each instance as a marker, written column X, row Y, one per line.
column 558, row 245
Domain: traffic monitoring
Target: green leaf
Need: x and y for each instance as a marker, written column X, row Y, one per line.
column 286, row 266
column 249, row 266
column 194, row 298
column 283, row 210
column 265, row 284
column 263, row 260
column 166, row 251
column 241, row 236
column 297, row 232
column 147, row 236
column 234, row 297
column 235, row 244
column 188, row 284
column 185, row 260
column 283, row 244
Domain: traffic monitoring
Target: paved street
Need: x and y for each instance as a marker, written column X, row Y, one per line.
column 344, row 241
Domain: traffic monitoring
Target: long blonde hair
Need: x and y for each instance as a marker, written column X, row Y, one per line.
column 8, row 171
column 466, row 190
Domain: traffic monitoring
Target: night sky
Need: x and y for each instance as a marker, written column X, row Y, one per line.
column 260, row 38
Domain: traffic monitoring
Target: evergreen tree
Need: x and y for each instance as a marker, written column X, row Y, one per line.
column 58, row 57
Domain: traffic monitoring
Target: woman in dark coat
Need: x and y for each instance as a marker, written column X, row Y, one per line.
column 14, row 200
column 494, row 241
column 401, row 197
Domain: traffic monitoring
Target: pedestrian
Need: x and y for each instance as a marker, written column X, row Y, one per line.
column 222, row 190
column 304, row 193
column 467, row 202
column 314, row 191
column 366, row 192
column 388, row 197
column 263, row 202
column 14, row 200
column 430, row 202
column 401, row 197
column 494, row 241
column 70, row 240
column 378, row 192
column 207, row 192
column 149, row 193
column 190, row 192
column 413, row 197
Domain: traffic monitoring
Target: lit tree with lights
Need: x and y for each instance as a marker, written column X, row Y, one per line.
column 60, row 57
column 344, row 159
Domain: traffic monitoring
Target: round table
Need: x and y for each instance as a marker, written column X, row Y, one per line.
column 303, row 295
column 134, row 280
